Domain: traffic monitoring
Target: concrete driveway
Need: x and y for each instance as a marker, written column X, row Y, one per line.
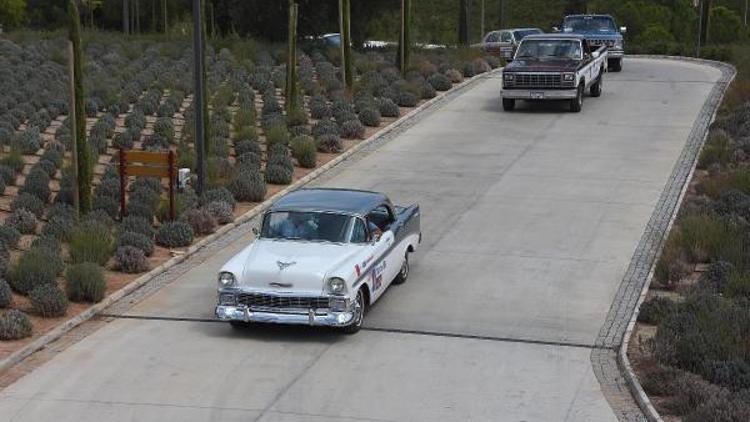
column 530, row 219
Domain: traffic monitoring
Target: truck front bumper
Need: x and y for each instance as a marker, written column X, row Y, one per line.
column 615, row 54
column 539, row 94
column 319, row 317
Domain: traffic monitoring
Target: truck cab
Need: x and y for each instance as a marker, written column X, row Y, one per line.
column 599, row 30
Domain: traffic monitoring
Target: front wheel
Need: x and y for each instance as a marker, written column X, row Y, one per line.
column 576, row 104
column 360, row 306
column 509, row 104
column 403, row 273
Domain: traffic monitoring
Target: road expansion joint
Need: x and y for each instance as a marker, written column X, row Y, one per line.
column 390, row 330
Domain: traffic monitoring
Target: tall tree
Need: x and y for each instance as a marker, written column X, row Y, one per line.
column 164, row 14
column 79, row 137
column 346, row 42
column 12, row 12
column 705, row 21
column 125, row 17
column 501, row 13
column 463, row 23
column 403, row 55
column 204, row 106
column 291, row 64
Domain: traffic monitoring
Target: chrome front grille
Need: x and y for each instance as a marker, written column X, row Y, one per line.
column 538, row 80
column 601, row 42
column 268, row 301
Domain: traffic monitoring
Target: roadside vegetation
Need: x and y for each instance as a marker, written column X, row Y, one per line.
column 139, row 96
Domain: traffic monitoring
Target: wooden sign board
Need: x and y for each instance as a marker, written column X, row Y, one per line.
column 147, row 163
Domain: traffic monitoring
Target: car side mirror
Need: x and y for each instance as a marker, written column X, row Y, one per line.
column 623, row 29
column 595, row 54
column 555, row 29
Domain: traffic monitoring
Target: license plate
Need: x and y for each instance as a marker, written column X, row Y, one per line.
column 537, row 95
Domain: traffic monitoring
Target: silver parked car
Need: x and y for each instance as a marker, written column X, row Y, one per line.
column 503, row 43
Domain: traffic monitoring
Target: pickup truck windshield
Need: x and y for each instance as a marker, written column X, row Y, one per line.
column 588, row 24
column 313, row 226
column 549, row 49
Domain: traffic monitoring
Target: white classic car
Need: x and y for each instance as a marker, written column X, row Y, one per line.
column 321, row 257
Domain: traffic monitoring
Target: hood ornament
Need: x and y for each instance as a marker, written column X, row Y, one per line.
column 284, row 265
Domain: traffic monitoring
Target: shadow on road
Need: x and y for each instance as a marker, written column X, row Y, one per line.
column 271, row 333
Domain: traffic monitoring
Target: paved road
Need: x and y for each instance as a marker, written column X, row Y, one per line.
column 530, row 220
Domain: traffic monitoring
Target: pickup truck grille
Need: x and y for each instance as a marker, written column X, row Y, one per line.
column 267, row 301
column 600, row 42
column 538, row 80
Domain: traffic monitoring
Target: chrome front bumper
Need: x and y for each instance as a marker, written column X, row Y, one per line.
column 539, row 94
column 615, row 54
column 319, row 317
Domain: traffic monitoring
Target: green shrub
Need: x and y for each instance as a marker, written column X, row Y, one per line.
column 50, row 243
column 246, row 146
column 14, row 160
column 164, row 128
column 85, row 282
column 6, row 295
column 296, row 117
column 219, row 194
column 660, row 381
column 14, row 325
column 59, row 227
column 4, row 260
column 387, row 107
column 277, row 134
column 174, row 234
column 249, row 161
column 221, row 211
column 37, row 184
column 48, row 301
column 22, row 220
column 91, row 243
column 730, row 374
column 28, row 202
column 8, row 175
column 716, row 277
column 718, row 150
column 305, row 151
column 131, row 260
column 137, row 240
column 329, row 144
column 722, row 408
column 248, row 186
column 702, row 237
column 407, row 99
column 370, row 117
column 9, row 236
column 244, row 118
column 279, row 174
column 690, row 391
column 201, row 221
column 29, row 141
column 325, row 127
column 655, row 310
column 137, row 225
column 245, row 133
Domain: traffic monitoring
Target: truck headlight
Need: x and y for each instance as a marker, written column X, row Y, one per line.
column 509, row 77
column 569, row 77
column 619, row 44
column 336, row 286
column 226, row 279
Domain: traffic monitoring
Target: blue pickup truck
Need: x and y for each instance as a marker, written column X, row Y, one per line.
column 599, row 30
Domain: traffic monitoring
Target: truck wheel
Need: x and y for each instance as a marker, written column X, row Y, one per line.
column 615, row 65
column 359, row 314
column 577, row 103
column 596, row 88
column 239, row 325
column 509, row 104
column 403, row 273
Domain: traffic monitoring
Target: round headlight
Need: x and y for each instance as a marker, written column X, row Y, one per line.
column 336, row 285
column 226, row 279
column 508, row 76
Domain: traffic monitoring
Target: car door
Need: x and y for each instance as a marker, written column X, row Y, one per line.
column 388, row 263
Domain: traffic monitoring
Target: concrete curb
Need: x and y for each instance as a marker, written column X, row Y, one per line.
column 636, row 283
column 57, row 332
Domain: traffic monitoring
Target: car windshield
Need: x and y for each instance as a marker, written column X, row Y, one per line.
column 588, row 23
column 311, row 226
column 521, row 34
column 541, row 49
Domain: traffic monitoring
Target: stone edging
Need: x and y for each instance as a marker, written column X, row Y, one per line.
column 57, row 332
column 620, row 323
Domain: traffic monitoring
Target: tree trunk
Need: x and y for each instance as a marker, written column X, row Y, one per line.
column 463, row 23
column 346, row 42
column 164, row 14
column 79, row 137
column 132, row 16
column 403, row 60
column 204, row 106
column 481, row 20
column 291, row 64
column 125, row 17
column 705, row 21
column 137, row 16
column 501, row 14
column 153, row 15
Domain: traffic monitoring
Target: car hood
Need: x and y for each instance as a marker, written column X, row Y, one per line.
column 535, row 65
column 305, row 265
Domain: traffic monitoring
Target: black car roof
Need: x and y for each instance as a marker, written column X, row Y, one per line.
column 554, row 36
column 346, row 201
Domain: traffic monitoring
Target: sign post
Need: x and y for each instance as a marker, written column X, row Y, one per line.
column 145, row 163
